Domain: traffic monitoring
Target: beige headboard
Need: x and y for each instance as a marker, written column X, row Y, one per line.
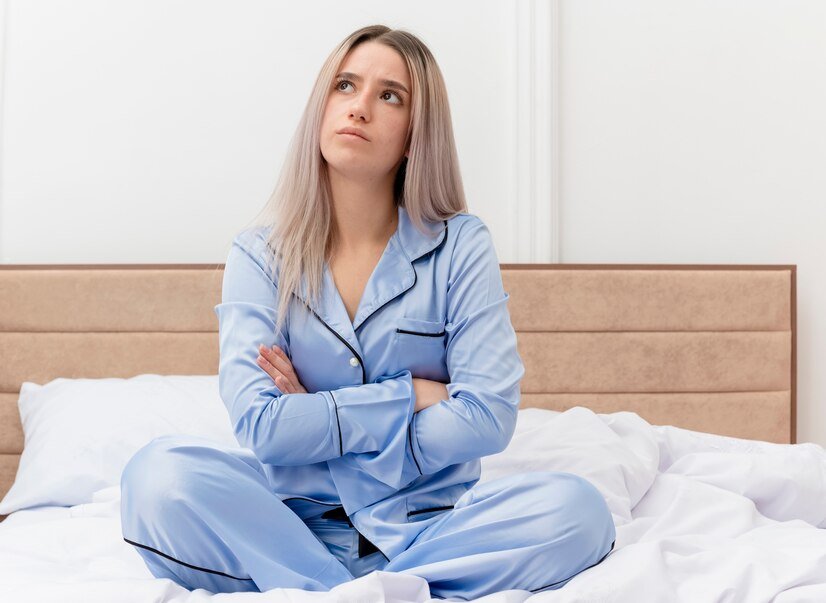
column 709, row 348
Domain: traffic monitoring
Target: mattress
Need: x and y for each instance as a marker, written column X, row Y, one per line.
column 699, row 517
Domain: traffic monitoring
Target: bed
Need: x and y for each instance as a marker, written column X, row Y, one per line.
column 670, row 387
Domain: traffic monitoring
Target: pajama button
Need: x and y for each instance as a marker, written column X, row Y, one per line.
column 354, row 361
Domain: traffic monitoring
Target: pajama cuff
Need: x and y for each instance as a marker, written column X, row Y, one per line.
column 373, row 417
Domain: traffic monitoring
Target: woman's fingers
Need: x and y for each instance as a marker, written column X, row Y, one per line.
column 278, row 378
column 294, row 381
column 279, row 367
column 279, row 360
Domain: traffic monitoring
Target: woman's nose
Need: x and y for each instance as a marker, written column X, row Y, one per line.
column 358, row 109
column 358, row 113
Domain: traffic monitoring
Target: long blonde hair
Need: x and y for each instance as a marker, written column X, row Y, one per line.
column 427, row 184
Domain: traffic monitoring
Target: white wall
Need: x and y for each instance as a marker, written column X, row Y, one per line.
column 695, row 132
column 688, row 132
column 153, row 130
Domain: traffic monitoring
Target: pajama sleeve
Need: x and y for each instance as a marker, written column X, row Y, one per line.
column 479, row 416
column 294, row 428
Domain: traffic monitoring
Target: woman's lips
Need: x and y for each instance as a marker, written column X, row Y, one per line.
column 347, row 134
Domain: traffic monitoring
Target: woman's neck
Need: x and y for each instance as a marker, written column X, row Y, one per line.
column 364, row 216
column 358, row 231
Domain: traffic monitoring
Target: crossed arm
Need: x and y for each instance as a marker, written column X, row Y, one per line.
column 436, row 424
column 278, row 366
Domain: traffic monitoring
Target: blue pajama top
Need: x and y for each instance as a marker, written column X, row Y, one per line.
column 434, row 307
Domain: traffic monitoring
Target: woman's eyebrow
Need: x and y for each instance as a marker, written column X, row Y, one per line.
column 388, row 83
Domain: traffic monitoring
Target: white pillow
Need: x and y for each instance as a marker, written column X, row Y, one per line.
column 617, row 452
column 80, row 433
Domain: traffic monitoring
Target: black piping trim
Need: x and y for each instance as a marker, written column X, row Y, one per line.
column 409, row 513
column 410, row 439
column 338, row 422
column 345, row 342
column 203, row 569
column 533, row 590
column 423, row 334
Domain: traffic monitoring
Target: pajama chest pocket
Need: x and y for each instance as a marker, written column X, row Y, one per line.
column 419, row 346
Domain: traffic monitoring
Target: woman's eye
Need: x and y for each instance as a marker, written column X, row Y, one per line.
column 349, row 83
column 394, row 94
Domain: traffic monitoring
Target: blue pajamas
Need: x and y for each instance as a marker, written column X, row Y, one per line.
column 205, row 516
column 322, row 478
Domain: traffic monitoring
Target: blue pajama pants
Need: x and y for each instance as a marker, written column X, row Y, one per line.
column 204, row 516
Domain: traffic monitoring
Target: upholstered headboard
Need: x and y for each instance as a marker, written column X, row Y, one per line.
column 707, row 348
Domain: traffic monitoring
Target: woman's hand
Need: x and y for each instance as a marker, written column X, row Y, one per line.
column 278, row 366
column 428, row 393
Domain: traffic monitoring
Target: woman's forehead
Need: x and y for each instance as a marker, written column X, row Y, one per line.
column 373, row 60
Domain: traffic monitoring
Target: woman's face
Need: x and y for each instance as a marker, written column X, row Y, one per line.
column 363, row 96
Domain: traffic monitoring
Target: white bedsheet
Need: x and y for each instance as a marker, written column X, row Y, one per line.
column 699, row 518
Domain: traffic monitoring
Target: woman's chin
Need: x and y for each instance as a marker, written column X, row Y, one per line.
column 356, row 168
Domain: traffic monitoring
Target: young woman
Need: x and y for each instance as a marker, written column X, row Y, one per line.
column 367, row 362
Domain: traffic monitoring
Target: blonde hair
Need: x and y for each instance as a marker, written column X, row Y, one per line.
column 427, row 184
